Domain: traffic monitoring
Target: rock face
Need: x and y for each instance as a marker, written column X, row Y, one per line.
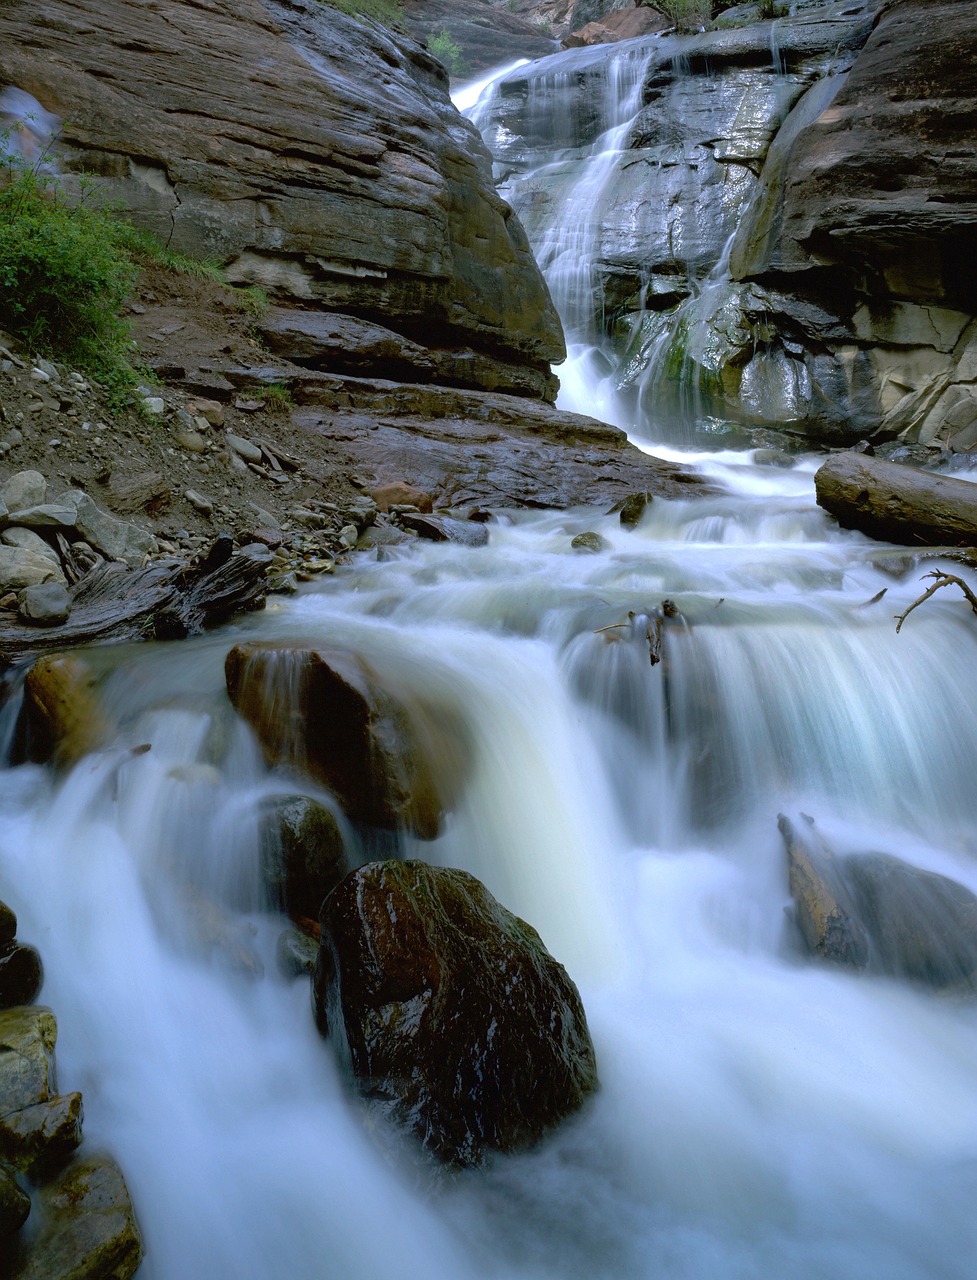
column 839, row 312
column 327, row 713
column 898, row 504
column 448, row 1011
column 330, row 168
column 487, row 35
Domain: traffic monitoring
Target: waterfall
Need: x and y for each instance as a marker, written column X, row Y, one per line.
column 759, row 1115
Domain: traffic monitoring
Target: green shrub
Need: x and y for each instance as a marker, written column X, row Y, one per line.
column 386, row 11
column 64, row 274
column 688, row 15
column 448, row 53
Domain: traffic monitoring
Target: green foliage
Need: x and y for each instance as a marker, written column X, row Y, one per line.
column 687, row 15
column 64, row 274
column 448, row 53
column 145, row 248
column 252, row 300
column 275, row 396
column 386, row 11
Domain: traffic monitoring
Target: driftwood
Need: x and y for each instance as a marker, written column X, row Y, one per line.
column 942, row 580
column 164, row 601
column 896, row 503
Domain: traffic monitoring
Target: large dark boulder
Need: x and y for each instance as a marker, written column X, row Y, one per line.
column 21, row 974
column 325, row 711
column 330, row 168
column 447, row 1011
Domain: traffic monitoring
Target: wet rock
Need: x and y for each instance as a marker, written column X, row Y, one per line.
column 304, row 855
column 446, row 529
column 447, row 1011
column 822, row 904
column 89, row 1229
column 589, row 541
column 62, row 715
column 15, row 1205
column 922, row 926
column 45, row 605
column 27, row 1040
column 8, row 925
column 42, row 1137
column 326, row 712
column 632, row 509
column 295, row 953
column 21, row 974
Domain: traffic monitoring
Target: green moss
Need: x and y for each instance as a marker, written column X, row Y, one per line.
column 386, row 11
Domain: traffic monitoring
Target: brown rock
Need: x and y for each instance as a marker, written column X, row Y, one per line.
column 44, row 1135
column 326, row 712
column 822, row 904
column 64, row 719
column 448, row 1011
column 399, row 493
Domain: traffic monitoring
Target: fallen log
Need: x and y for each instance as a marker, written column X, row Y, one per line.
column 166, row 600
column 898, row 504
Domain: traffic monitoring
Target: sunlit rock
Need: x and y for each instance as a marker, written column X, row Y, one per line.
column 447, row 1011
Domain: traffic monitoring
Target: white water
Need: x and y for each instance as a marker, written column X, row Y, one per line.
column 759, row 1116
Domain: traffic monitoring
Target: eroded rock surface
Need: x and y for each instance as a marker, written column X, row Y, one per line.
column 447, row 1011
column 329, row 168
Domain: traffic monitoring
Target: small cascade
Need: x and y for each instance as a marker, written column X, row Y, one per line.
column 26, row 129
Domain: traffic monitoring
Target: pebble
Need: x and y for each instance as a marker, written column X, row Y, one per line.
column 199, row 502
column 154, row 404
column 250, row 452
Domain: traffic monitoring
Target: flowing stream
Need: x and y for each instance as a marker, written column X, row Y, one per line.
column 759, row 1116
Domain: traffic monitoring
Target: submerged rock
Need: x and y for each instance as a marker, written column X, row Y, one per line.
column 448, row 1012
column 822, row 905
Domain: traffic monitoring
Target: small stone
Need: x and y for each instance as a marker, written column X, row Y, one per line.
column 633, row 508
column 52, row 371
column 38, row 375
column 295, row 954
column 212, row 411
column 191, row 440
column 244, row 448
column 154, row 404
column 589, row 541
column 348, row 535
column 199, row 502
column 45, row 605
column 25, row 489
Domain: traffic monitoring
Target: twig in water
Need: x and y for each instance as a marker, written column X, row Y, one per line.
column 942, row 580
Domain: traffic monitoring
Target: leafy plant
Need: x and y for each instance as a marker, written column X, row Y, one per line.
column 386, row 11
column 64, row 273
column 448, row 53
column 687, row 15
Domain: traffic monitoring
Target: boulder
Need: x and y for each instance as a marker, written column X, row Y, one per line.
column 63, row 718
column 27, row 1039
column 115, row 538
column 304, row 856
column 45, row 605
column 921, row 925
column 590, row 541
column 43, row 1136
column 27, row 540
column 88, row 1229
column 20, row 568
column 326, row 712
column 23, row 489
column 8, row 925
column 331, row 170
column 447, row 1011
column 21, row 974
column 446, row 529
column 898, row 504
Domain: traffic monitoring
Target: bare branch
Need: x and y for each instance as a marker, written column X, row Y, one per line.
column 942, row 580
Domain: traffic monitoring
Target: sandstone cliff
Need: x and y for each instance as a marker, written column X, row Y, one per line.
column 304, row 151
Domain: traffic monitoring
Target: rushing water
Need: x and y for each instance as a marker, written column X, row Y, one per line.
column 759, row 1116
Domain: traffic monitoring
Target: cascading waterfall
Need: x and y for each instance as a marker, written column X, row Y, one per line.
column 759, row 1115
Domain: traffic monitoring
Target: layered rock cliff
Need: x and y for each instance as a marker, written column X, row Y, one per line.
column 305, row 152
column 786, row 238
